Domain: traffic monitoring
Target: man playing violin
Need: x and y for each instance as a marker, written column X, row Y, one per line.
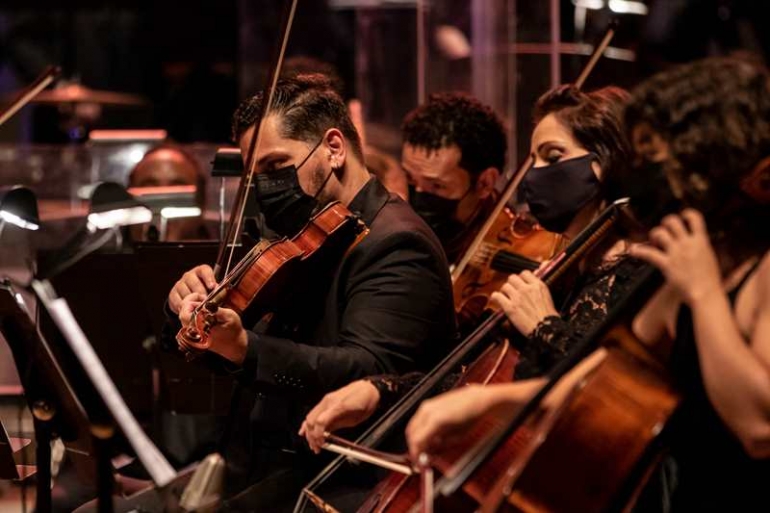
column 453, row 153
column 387, row 307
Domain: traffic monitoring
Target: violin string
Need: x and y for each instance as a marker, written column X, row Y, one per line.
column 258, row 139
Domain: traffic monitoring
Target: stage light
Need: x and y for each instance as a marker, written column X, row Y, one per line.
column 112, row 206
column 628, row 7
column 596, row 5
column 18, row 206
column 179, row 212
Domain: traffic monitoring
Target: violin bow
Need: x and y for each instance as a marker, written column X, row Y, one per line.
column 225, row 258
column 513, row 184
column 28, row 94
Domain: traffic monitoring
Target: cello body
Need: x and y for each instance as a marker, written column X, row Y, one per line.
column 399, row 492
column 597, row 451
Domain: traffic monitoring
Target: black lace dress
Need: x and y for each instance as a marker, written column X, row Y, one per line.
column 586, row 305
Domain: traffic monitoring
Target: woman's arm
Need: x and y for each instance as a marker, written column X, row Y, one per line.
column 736, row 375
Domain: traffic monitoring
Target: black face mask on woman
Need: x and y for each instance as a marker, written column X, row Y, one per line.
column 556, row 193
column 285, row 205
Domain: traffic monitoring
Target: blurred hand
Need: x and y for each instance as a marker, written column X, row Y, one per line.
column 346, row 407
column 445, row 418
column 198, row 280
column 526, row 301
column 681, row 249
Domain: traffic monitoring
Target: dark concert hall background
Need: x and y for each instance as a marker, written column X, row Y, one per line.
column 180, row 68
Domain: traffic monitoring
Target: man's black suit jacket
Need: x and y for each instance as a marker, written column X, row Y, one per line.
column 387, row 308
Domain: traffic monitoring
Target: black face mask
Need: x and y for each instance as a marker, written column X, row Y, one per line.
column 438, row 213
column 650, row 193
column 556, row 193
column 285, row 205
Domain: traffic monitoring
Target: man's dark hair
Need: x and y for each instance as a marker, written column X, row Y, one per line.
column 595, row 120
column 308, row 106
column 714, row 114
column 297, row 65
column 458, row 119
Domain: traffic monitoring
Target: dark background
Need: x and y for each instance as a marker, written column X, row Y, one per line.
column 193, row 60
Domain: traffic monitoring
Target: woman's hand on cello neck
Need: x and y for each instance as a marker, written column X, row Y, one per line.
column 526, row 301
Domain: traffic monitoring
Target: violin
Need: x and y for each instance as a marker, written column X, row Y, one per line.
column 514, row 243
column 501, row 247
column 263, row 280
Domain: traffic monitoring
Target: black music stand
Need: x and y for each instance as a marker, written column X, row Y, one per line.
column 124, row 333
column 71, row 396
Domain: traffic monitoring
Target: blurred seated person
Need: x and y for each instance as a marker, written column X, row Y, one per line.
column 170, row 165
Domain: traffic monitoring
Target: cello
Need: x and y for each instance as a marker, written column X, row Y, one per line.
column 605, row 434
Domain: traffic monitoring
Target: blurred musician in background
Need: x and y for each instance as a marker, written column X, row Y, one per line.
column 169, row 165
column 579, row 154
column 386, row 308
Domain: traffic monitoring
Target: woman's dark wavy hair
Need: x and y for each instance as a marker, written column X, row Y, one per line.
column 455, row 118
column 308, row 105
column 714, row 114
column 595, row 120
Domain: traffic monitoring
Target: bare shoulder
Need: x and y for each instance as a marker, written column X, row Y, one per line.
column 752, row 306
column 762, row 277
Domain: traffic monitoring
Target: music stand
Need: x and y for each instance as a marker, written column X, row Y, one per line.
column 9, row 446
column 91, row 420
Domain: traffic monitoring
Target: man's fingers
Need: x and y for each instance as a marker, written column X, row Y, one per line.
column 174, row 301
column 194, row 283
column 206, row 275
column 182, row 289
